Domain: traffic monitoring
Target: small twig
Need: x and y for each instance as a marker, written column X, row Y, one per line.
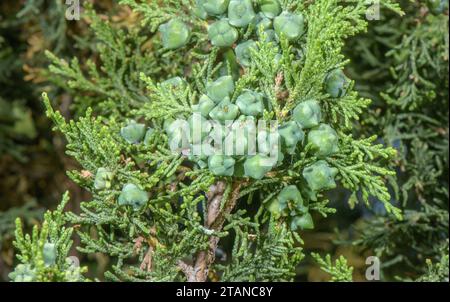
column 187, row 269
column 147, row 262
column 215, row 221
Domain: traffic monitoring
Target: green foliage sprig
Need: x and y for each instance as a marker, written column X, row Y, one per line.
column 43, row 255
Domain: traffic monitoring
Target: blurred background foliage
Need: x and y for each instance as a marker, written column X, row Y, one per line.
column 401, row 63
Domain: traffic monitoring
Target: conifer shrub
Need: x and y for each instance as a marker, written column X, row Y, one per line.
column 211, row 135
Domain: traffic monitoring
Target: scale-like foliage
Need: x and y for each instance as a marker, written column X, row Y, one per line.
column 406, row 68
column 340, row 271
column 43, row 255
column 161, row 215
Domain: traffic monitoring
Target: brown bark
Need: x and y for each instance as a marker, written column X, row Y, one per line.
column 215, row 219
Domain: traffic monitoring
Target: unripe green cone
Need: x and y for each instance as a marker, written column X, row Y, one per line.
column 218, row 132
column 23, row 273
column 244, row 52
column 178, row 134
column 173, row 82
column 263, row 22
column 221, row 165
column 250, row 103
column 222, row 34
column 199, row 128
column 200, row 154
column 289, row 197
column 241, row 138
column 302, row 222
column 308, row 114
column 247, row 123
column 336, row 83
column 324, row 140
column 202, row 151
column 257, row 166
column 224, row 111
column 204, row 106
column 175, row 34
column 320, row 176
column 277, row 209
column 199, row 10
column 215, row 7
column 220, row 89
column 133, row 196
column 270, row 8
column 291, row 134
column 49, row 253
column 269, row 144
column 133, row 132
column 103, row 179
column 168, row 125
column 236, row 143
column 290, row 25
column 240, row 12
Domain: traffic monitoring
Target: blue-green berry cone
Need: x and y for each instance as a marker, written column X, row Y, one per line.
column 302, row 222
column 221, row 165
column 199, row 128
column 49, row 253
column 204, row 106
column 241, row 139
column 236, row 143
column 270, row 8
column 269, row 144
column 200, row 154
column 103, row 179
column 218, row 132
column 225, row 111
column 324, row 140
column 174, row 34
column 438, row 7
column 262, row 22
column 247, row 123
column 178, row 133
column 133, row 196
column 288, row 197
column 244, row 52
column 241, row 13
column 202, row 151
column 292, row 26
column 168, row 125
column 291, row 134
column 133, row 133
column 257, row 166
column 23, row 273
column 320, row 176
column 251, row 103
column 308, row 114
column 336, row 83
column 148, row 136
column 277, row 209
column 199, row 9
column 220, row 89
column 173, row 82
column 222, row 34
column 215, row 7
